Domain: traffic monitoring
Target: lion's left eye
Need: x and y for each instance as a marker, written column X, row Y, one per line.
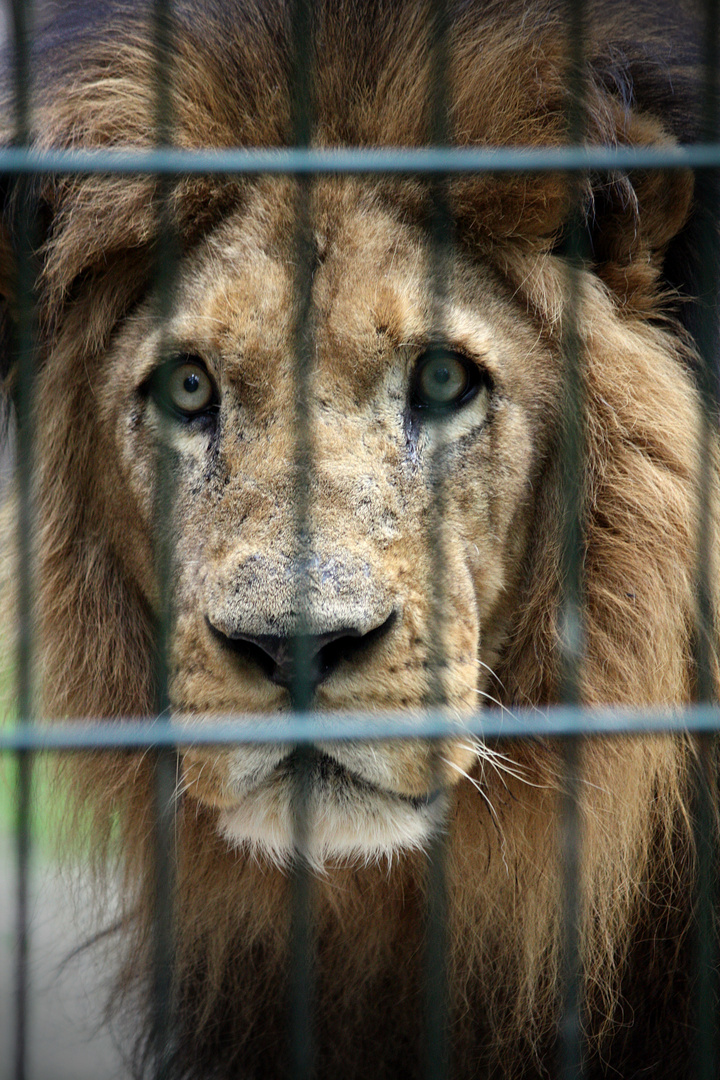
column 184, row 387
column 443, row 380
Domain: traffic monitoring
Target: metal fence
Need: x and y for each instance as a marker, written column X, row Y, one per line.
column 569, row 722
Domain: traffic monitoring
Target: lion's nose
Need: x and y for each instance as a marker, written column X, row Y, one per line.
column 304, row 661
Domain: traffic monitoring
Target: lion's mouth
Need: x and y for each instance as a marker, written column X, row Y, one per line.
column 349, row 817
column 320, row 771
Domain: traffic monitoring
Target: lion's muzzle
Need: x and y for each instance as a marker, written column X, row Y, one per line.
column 304, row 660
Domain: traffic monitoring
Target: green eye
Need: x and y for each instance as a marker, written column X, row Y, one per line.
column 444, row 379
column 184, row 388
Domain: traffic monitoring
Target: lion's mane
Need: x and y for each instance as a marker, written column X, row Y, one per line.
column 507, row 86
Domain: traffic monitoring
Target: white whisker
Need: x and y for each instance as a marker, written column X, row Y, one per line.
column 475, row 783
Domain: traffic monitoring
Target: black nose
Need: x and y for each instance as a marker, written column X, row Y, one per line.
column 301, row 663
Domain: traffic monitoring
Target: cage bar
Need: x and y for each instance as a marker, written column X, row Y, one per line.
column 302, row 1047
column 706, row 636
column 164, row 759
column 571, row 1048
column 24, row 342
column 451, row 160
column 557, row 721
column 436, row 1048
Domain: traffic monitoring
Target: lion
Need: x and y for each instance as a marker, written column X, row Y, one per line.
column 433, row 410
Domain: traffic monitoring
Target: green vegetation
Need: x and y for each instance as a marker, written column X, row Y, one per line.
column 41, row 815
column 44, row 801
column 7, row 762
column 7, row 787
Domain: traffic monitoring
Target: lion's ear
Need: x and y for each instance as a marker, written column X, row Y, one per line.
column 632, row 219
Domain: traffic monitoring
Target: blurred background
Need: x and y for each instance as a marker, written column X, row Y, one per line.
column 67, row 1038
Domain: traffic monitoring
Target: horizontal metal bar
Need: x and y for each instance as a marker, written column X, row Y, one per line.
column 433, row 160
column 312, row 727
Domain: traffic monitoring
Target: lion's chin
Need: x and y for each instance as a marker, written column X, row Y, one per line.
column 348, row 824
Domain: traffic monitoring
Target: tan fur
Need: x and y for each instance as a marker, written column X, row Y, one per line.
column 374, row 311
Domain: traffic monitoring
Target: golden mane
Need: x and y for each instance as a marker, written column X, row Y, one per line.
column 507, row 87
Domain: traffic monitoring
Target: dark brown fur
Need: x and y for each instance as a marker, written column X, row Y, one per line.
column 507, row 86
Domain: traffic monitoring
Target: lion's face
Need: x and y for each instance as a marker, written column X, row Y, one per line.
column 391, row 408
column 401, row 506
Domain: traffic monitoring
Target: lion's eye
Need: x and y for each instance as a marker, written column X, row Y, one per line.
column 184, row 387
column 443, row 380
column 189, row 387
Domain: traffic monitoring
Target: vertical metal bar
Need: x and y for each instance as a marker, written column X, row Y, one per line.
column 706, row 651
column 706, row 902
column 437, row 1043
column 301, row 988
column 24, row 347
column 571, row 1049
column 163, row 932
column 165, row 759
column 437, row 1048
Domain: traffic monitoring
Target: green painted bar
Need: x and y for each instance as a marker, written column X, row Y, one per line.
column 24, row 343
column 437, row 1048
column 557, row 722
column 165, row 757
column 448, row 160
column 301, row 1038
column 706, row 633
column 571, row 1047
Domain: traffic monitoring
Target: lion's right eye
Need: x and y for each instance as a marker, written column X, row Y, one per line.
column 444, row 380
column 184, row 388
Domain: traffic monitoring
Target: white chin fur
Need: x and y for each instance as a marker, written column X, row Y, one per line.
column 361, row 829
